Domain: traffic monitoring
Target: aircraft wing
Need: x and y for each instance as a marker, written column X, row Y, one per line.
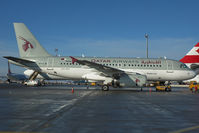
column 18, row 60
column 21, row 61
column 106, row 70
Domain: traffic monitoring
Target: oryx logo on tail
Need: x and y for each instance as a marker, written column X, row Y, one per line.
column 27, row 44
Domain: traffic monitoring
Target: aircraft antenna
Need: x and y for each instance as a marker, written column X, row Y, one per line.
column 147, row 37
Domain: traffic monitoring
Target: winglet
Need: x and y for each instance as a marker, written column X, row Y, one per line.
column 73, row 59
column 9, row 71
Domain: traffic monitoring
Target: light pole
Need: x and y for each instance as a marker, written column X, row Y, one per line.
column 147, row 37
column 56, row 51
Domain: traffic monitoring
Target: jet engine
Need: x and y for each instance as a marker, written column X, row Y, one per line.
column 195, row 67
column 130, row 80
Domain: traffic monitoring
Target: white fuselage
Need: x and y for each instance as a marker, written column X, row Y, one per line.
column 82, row 72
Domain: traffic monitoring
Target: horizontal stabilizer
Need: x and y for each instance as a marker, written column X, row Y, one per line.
column 18, row 60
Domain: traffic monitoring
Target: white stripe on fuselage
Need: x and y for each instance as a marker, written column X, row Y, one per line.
column 79, row 73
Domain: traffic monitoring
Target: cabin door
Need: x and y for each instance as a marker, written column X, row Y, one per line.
column 169, row 66
column 50, row 63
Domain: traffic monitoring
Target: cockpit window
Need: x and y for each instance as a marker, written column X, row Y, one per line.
column 183, row 66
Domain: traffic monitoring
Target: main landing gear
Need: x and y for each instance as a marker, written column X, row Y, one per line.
column 105, row 87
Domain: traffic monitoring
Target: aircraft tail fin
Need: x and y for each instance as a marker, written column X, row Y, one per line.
column 192, row 56
column 27, row 44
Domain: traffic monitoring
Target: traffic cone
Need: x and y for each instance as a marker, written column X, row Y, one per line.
column 72, row 90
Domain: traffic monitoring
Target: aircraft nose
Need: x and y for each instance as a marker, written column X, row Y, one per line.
column 191, row 74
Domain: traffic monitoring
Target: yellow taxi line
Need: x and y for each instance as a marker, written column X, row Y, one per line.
column 185, row 129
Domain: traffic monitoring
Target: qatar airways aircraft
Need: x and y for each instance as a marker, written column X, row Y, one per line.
column 117, row 72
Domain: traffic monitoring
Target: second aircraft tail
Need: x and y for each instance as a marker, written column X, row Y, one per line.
column 192, row 56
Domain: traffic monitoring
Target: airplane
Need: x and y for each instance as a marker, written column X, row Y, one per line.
column 111, row 71
column 191, row 59
column 14, row 77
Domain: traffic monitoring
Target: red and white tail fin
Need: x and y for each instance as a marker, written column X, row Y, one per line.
column 192, row 56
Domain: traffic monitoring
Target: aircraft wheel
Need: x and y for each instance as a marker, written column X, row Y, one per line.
column 105, row 87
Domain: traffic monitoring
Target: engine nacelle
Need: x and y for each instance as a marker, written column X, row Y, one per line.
column 130, row 80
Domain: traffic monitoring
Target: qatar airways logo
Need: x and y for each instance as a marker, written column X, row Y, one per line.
column 26, row 44
column 151, row 62
column 100, row 60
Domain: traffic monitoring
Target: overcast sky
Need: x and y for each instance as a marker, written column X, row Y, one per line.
column 109, row 28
